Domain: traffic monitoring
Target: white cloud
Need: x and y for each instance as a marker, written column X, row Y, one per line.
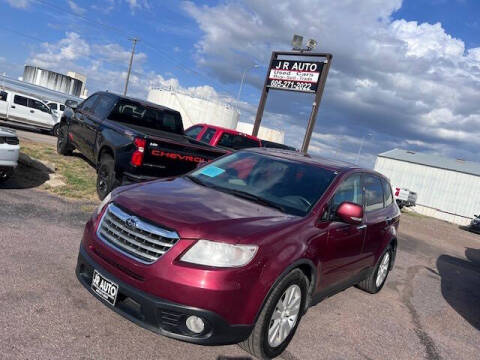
column 117, row 54
column 401, row 79
column 20, row 4
column 76, row 8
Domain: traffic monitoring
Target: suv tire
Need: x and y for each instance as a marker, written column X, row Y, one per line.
column 375, row 281
column 5, row 174
column 106, row 177
column 258, row 344
column 64, row 147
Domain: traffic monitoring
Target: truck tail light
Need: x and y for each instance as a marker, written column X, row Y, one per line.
column 137, row 156
column 397, row 191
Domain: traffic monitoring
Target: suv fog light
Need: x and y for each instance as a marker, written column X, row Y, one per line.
column 195, row 324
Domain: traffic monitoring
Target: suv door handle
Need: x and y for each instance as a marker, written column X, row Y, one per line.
column 32, row 111
column 360, row 227
column 13, row 107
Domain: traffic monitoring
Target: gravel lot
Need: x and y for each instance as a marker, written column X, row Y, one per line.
column 429, row 308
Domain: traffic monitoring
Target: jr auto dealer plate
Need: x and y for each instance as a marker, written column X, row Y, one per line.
column 104, row 288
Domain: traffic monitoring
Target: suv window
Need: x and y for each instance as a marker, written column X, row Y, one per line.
column 52, row 106
column 237, row 142
column 62, row 107
column 137, row 114
column 208, row 135
column 373, row 193
column 20, row 100
column 350, row 190
column 103, row 106
column 38, row 105
column 194, row 131
column 3, row 96
column 387, row 191
column 87, row 105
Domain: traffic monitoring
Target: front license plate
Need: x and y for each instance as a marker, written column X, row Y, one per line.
column 104, row 288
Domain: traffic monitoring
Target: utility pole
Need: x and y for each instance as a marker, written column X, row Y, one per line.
column 134, row 40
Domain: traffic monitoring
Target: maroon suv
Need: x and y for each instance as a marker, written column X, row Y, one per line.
column 237, row 250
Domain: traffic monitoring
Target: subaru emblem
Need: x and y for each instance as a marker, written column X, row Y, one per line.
column 131, row 222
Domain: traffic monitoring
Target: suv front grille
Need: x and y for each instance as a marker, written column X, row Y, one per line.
column 136, row 238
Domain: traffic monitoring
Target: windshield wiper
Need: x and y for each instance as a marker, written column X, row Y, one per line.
column 254, row 198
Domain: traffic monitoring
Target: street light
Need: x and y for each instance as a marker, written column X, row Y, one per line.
column 361, row 147
column 243, row 79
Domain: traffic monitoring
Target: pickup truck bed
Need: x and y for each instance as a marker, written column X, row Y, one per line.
column 130, row 140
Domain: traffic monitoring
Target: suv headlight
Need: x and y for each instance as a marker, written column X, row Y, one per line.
column 211, row 253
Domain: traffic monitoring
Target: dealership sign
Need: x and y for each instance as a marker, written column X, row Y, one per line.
column 294, row 75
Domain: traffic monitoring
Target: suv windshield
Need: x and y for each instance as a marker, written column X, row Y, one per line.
column 290, row 186
column 133, row 113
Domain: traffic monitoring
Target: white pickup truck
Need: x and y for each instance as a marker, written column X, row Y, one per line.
column 25, row 110
column 404, row 197
column 9, row 151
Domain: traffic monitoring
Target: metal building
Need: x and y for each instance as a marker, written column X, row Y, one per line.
column 52, row 80
column 447, row 189
column 194, row 109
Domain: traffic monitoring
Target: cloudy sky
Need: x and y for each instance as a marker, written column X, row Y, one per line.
column 405, row 74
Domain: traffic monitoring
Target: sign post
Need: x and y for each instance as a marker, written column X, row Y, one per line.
column 296, row 75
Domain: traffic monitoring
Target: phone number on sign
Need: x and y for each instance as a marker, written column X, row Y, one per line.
column 283, row 84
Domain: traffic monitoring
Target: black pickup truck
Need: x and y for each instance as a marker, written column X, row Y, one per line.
column 129, row 140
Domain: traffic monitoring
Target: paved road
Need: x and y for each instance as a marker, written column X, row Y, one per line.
column 429, row 308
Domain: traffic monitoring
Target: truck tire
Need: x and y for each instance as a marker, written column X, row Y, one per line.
column 5, row 174
column 375, row 281
column 106, row 177
column 64, row 147
column 276, row 314
column 56, row 130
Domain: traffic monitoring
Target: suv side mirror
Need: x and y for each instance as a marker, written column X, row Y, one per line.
column 71, row 104
column 350, row 213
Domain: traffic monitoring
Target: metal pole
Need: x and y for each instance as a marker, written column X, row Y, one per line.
column 263, row 99
column 134, row 40
column 316, row 104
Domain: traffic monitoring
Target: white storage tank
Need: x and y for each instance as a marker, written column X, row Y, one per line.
column 52, row 80
column 194, row 109
column 264, row 133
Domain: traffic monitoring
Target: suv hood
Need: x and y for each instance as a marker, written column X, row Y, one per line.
column 195, row 211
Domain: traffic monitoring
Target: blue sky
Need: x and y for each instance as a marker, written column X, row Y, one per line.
column 405, row 73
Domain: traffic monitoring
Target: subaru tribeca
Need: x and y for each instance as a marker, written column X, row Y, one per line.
column 237, row 250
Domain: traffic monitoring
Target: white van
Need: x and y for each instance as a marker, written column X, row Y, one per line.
column 20, row 109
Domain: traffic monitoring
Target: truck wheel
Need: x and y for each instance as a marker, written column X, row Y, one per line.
column 106, row 177
column 64, row 147
column 5, row 174
column 279, row 318
column 56, row 130
column 376, row 279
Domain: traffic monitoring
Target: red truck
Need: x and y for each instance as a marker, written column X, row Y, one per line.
column 222, row 137
column 237, row 250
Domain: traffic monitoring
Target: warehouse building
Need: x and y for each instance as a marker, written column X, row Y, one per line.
column 447, row 189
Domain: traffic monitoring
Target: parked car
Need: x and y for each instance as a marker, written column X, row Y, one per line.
column 9, row 151
column 57, row 109
column 275, row 145
column 25, row 110
column 238, row 250
column 129, row 140
column 405, row 197
column 222, row 137
column 475, row 224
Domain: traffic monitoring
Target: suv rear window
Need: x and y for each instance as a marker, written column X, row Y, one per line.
column 194, row 131
column 237, row 142
column 3, row 96
column 387, row 191
column 373, row 193
column 134, row 113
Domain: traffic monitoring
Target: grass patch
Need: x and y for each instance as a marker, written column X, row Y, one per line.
column 79, row 176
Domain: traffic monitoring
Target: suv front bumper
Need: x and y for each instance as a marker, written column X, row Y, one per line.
column 161, row 316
